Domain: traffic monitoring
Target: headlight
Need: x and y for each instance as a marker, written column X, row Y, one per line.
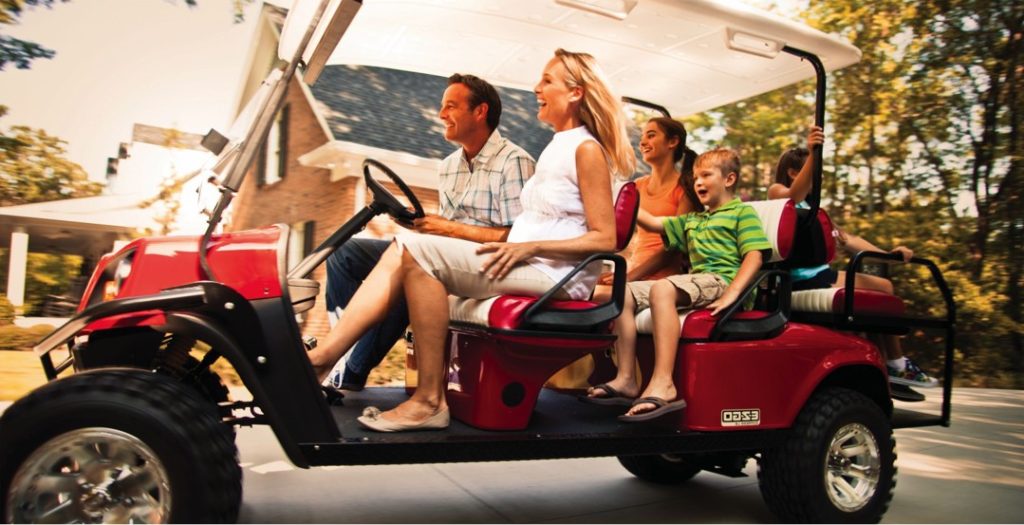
column 113, row 286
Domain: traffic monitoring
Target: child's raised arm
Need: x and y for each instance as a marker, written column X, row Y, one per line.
column 650, row 222
column 802, row 183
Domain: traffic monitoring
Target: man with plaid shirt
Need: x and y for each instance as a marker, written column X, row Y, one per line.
column 478, row 198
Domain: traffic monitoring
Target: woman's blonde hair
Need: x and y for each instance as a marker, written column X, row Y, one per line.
column 600, row 110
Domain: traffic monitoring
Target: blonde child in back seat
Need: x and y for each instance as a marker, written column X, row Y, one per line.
column 726, row 245
column 793, row 178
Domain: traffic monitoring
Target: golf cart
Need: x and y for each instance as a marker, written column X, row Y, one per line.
column 134, row 425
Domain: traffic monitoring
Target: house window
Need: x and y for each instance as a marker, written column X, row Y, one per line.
column 300, row 242
column 273, row 158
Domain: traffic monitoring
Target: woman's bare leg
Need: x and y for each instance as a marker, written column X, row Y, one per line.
column 665, row 299
column 427, row 299
column 865, row 282
column 888, row 344
column 625, row 352
column 368, row 306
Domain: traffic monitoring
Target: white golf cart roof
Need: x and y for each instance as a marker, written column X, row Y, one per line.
column 687, row 55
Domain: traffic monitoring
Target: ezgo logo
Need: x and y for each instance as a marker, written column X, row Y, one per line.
column 741, row 417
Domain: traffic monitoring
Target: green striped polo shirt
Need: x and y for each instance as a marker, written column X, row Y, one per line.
column 716, row 241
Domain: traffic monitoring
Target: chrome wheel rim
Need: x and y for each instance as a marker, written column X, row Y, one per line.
column 852, row 467
column 90, row 475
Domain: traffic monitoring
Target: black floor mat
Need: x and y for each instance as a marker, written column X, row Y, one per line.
column 556, row 415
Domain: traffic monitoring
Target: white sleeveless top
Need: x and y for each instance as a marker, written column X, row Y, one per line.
column 553, row 210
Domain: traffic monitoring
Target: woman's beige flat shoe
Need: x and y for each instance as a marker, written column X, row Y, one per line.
column 371, row 419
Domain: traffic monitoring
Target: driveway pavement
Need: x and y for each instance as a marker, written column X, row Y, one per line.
column 972, row 472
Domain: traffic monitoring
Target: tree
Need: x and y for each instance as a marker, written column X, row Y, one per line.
column 760, row 128
column 33, row 168
column 14, row 50
column 928, row 120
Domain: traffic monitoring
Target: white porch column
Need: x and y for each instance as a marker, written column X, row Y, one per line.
column 17, row 266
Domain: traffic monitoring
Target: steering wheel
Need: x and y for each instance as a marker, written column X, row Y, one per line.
column 386, row 199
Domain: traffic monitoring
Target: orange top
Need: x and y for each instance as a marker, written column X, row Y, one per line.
column 648, row 243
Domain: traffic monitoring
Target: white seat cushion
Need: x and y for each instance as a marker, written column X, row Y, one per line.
column 778, row 223
column 819, row 300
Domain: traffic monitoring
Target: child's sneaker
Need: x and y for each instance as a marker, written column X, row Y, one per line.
column 905, row 393
column 911, row 375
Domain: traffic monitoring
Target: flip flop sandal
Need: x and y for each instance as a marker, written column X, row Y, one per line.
column 611, row 397
column 661, row 408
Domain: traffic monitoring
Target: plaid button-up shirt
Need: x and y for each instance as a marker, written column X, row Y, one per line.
column 487, row 194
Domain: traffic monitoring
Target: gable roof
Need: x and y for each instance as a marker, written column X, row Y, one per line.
column 397, row 110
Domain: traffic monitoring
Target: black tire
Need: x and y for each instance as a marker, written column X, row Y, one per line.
column 162, row 427
column 665, row 469
column 797, row 479
column 206, row 382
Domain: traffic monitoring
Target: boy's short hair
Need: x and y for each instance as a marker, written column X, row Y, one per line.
column 727, row 160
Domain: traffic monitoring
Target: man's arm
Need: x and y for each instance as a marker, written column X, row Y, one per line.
column 436, row 225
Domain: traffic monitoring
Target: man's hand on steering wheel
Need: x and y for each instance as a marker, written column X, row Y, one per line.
column 431, row 224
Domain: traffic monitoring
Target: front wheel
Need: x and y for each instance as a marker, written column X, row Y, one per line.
column 838, row 466
column 117, row 446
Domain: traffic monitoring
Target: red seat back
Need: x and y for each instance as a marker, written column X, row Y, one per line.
column 627, row 205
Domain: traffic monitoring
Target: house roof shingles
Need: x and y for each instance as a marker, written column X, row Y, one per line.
column 397, row 110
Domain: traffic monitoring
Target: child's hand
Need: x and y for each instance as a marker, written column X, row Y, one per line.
column 907, row 253
column 815, row 137
column 722, row 302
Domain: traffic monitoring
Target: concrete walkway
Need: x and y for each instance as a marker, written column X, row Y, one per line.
column 972, row 472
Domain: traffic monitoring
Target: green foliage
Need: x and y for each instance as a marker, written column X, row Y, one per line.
column 982, row 324
column 761, row 128
column 924, row 147
column 18, row 338
column 45, row 274
column 14, row 50
column 33, row 169
column 6, row 311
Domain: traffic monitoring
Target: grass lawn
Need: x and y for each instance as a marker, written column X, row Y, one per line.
column 19, row 373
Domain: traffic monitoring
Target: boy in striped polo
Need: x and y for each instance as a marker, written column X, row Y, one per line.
column 726, row 245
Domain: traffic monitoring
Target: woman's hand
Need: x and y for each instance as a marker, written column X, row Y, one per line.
column 505, row 255
column 905, row 252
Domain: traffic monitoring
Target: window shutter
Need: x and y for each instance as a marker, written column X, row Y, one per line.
column 261, row 166
column 282, row 148
column 308, row 237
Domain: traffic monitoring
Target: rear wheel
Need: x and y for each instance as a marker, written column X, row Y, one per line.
column 839, row 465
column 666, row 469
column 117, row 446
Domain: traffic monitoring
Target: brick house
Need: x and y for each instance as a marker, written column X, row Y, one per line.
column 309, row 175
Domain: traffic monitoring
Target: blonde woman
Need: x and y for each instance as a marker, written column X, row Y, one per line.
column 567, row 215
